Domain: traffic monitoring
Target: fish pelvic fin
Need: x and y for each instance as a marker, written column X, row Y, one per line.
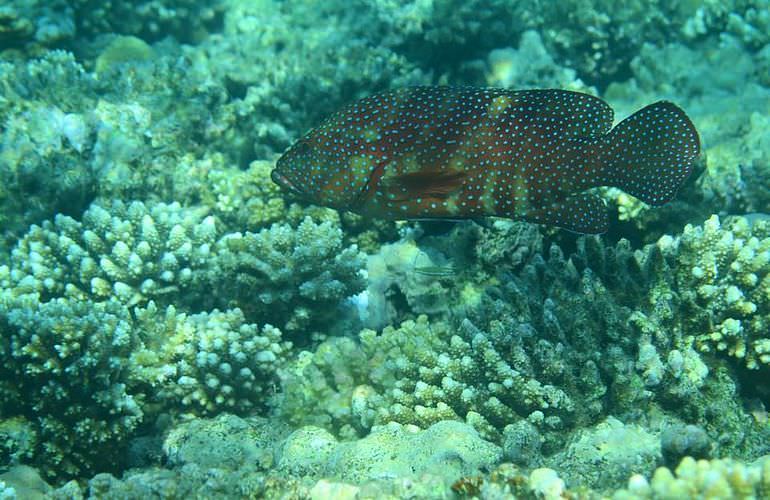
column 651, row 153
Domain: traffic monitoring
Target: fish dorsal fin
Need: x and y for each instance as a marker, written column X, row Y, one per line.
column 582, row 213
column 561, row 114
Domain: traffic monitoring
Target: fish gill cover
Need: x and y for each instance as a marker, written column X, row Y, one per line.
column 173, row 324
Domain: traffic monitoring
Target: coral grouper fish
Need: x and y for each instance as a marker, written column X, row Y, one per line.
column 452, row 153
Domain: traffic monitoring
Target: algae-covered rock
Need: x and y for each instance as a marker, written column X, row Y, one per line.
column 604, row 456
column 448, row 448
column 307, row 451
column 227, row 442
column 26, row 483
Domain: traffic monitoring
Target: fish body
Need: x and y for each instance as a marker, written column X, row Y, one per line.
column 463, row 152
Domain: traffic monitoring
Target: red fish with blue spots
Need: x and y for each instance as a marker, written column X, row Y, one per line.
column 459, row 152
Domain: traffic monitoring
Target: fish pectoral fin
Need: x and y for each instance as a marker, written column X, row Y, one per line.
column 427, row 184
column 582, row 213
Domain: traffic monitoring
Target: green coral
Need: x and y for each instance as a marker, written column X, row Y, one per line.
column 70, row 137
column 98, row 363
column 64, row 367
column 259, row 53
column 419, row 374
column 602, row 326
column 245, row 200
column 186, row 20
column 597, row 38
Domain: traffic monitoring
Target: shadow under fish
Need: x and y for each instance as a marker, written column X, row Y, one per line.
column 466, row 153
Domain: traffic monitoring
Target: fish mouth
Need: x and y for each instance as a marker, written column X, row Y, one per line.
column 284, row 182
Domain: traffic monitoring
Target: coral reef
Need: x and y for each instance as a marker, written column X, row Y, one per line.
column 419, row 374
column 605, row 456
column 259, row 55
column 225, row 442
column 722, row 478
column 723, row 278
column 70, row 137
column 426, row 354
column 187, row 20
column 446, row 448
column 729, row 109
column 65, row 369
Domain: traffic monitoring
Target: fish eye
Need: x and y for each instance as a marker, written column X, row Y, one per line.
column 302, row 147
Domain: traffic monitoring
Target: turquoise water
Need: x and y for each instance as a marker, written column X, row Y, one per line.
column 175, row 324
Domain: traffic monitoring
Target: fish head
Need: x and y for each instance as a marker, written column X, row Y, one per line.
column 291, row 171
column 318, row 174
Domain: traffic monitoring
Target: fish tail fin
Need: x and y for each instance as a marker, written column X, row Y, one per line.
column 651, row 153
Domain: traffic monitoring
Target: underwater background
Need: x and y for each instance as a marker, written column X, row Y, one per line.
column 171, row 325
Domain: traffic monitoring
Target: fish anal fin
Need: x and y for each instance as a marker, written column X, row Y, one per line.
column 581, row 213
column 437, row 184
